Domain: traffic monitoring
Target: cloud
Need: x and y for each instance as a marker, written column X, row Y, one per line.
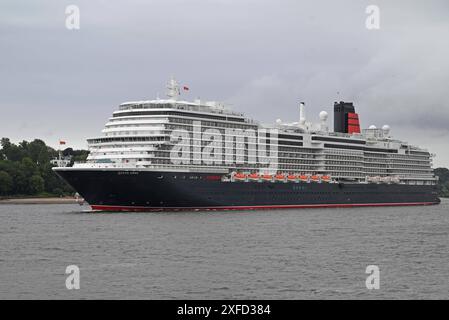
column 261, row 57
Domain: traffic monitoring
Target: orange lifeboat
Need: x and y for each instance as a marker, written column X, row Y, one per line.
column 304, row 177
column 267, row 177
column 240, row 177
column 315, row 178
column 253, row 176
column 279, row 177
column 326, row 178
column 291, row 177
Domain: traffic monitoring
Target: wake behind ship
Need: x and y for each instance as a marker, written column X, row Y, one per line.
column 168, row 154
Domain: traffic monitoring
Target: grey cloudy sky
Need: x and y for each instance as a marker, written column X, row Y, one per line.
column 260, row 57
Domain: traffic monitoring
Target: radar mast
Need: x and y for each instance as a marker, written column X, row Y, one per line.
column 173, row 89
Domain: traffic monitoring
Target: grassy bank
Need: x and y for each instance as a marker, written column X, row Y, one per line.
column 39, row 200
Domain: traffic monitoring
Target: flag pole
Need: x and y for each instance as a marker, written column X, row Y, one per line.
column 59, row 151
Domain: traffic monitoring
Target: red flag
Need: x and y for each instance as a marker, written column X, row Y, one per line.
column 186, row 88
column 61, row 142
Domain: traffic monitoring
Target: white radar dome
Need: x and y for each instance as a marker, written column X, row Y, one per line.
column 386, row 127
column 323, row 115
column 372, row 127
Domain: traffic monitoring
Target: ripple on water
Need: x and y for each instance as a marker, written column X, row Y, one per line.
column 282, row 254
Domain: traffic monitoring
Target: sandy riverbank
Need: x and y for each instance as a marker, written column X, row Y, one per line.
column 54, row 200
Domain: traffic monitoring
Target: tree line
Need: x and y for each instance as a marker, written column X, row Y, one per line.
column 25, row 169
column 443, row 182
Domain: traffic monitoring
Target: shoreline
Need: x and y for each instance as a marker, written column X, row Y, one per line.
column 49, row 200
column 58, row 200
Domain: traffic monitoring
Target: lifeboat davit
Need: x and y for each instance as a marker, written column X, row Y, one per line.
column 315, row 178
column 304, row 177
column 326, row 178
column 253, row 177
column 267, row 177
column 291, row 177
column 280, row 177
column 240, row 177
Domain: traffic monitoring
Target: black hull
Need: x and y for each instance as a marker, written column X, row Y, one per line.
column 112, row 190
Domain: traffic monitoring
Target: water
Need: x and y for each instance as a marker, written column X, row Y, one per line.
column 283, row 254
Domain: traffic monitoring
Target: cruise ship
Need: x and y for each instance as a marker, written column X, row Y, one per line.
column 169, row 155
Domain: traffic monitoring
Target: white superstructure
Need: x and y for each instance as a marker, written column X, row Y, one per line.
column 138, row 135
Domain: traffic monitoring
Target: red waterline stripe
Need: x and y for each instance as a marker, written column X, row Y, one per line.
column 337, row 205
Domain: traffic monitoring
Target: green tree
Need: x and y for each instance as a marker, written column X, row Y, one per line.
column 29, row 167
column 37, row 150
column 52, row 181
column 28, row 164
column 13, row 152
column 21, row 185
column 59, row 192
column 443, row 182
column 6, row 183
column 67, row 152
column 37, row 184
column 5, row 143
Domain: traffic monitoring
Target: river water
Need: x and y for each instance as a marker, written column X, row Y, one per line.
column 278, row 254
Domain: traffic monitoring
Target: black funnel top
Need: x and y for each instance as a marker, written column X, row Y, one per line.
column 341, row 110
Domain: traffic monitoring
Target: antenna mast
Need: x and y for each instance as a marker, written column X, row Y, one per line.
column 173, row 89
